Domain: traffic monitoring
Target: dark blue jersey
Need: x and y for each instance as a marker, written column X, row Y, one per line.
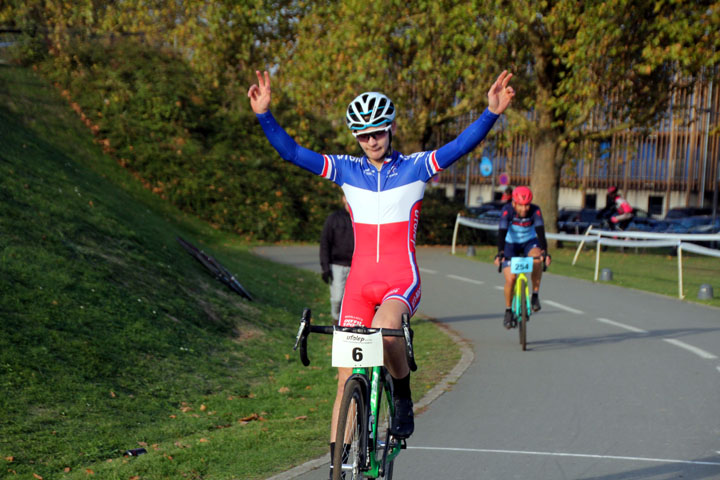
column 520, row 229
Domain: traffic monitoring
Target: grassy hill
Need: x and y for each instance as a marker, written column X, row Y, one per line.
column 113, row 338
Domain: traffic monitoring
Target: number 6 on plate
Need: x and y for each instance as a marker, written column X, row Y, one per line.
column 354, row 350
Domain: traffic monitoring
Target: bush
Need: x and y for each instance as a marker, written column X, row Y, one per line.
column 156, row 117
column 437, row 220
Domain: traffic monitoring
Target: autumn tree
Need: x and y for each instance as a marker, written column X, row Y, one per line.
column 425, row 55
column 571, row 59
column 622, row 59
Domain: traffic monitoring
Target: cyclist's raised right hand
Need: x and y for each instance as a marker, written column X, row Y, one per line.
column 259, row 93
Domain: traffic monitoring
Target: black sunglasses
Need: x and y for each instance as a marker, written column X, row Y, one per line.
column 364, row 137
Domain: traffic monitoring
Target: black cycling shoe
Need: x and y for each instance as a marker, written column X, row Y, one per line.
column 535, row 302
column 403, row 423
column 508, row 320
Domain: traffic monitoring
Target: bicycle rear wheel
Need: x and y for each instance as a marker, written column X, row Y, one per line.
column 386, row 408
column 523, row 315
column 351, row 430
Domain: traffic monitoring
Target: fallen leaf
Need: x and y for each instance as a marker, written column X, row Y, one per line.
column 301, row 417
column 37, row 476
column 203, row 440
column 249, row 418
column 112, row 394
column 89, row 472
column 203, row 407
column 283, row 390
column 10, row 459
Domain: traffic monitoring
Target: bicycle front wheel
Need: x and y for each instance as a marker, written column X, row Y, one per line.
column 523, row 315
column 386, row 408
column 351, row 432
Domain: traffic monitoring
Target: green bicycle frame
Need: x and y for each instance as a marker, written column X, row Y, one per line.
column 376, row 444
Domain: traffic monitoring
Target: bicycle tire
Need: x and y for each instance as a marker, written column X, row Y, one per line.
column 386, row 408
column 523, row 315
column 216, row 268
column 352, row 430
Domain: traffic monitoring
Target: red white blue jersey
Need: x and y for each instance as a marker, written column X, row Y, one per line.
column 385, row 208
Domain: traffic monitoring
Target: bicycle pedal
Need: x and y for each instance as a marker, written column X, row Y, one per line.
column 403, row 444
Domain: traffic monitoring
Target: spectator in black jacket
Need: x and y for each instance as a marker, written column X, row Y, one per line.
column 336, row 249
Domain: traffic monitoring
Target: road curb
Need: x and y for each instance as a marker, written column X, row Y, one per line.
column 467, row 356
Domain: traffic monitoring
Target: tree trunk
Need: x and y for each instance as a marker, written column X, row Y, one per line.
column 545, row 180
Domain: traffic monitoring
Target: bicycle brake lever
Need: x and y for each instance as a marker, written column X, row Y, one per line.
column 300, row 333
column 408, row 334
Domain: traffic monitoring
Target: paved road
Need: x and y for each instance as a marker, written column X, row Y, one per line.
column 616, row 384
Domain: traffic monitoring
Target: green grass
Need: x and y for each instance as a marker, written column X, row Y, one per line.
column 652, row 270
column 112, row 337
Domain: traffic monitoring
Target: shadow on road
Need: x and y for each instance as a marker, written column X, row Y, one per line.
column 686, row 471
column 573, row 342
column 473, row 317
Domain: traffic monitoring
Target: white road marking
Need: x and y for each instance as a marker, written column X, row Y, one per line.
column 697, row 351
column 425, row 270
column 469, row 280
column 499, row 287
column 575, row 455
column 622, row 325
column 563, row 307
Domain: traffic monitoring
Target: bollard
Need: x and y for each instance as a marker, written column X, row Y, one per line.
column 471, row 251
column 606, row 275
column 705, row 292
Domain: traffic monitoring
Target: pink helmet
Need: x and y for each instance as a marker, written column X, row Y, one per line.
column 522, row 195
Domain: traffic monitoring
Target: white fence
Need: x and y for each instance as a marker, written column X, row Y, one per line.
column 682, row 242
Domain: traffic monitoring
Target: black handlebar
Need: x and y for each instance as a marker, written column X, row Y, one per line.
column 540, row 257
column 306, row 328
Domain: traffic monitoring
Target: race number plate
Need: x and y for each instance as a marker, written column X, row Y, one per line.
column 354, row 350
column 521, row 265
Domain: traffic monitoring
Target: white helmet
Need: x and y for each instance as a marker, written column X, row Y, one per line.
column 370, row 109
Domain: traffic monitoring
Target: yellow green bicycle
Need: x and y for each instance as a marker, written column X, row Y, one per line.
column 520, row 303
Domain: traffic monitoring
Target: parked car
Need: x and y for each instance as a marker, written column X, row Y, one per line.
column 707, row 227
column 645, row 222
column 577, row 221
column 491, row 217
column 485, row 207
column 683, row 212
column 689, row 224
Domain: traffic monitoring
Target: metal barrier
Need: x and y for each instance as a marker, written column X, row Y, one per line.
column 613, row 238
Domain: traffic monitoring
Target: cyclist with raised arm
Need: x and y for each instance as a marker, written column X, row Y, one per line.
column 617, row 209
column 521, row 232
column 384, row 190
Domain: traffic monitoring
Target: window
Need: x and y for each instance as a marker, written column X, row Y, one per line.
column 655, row 205
column 590, row 200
